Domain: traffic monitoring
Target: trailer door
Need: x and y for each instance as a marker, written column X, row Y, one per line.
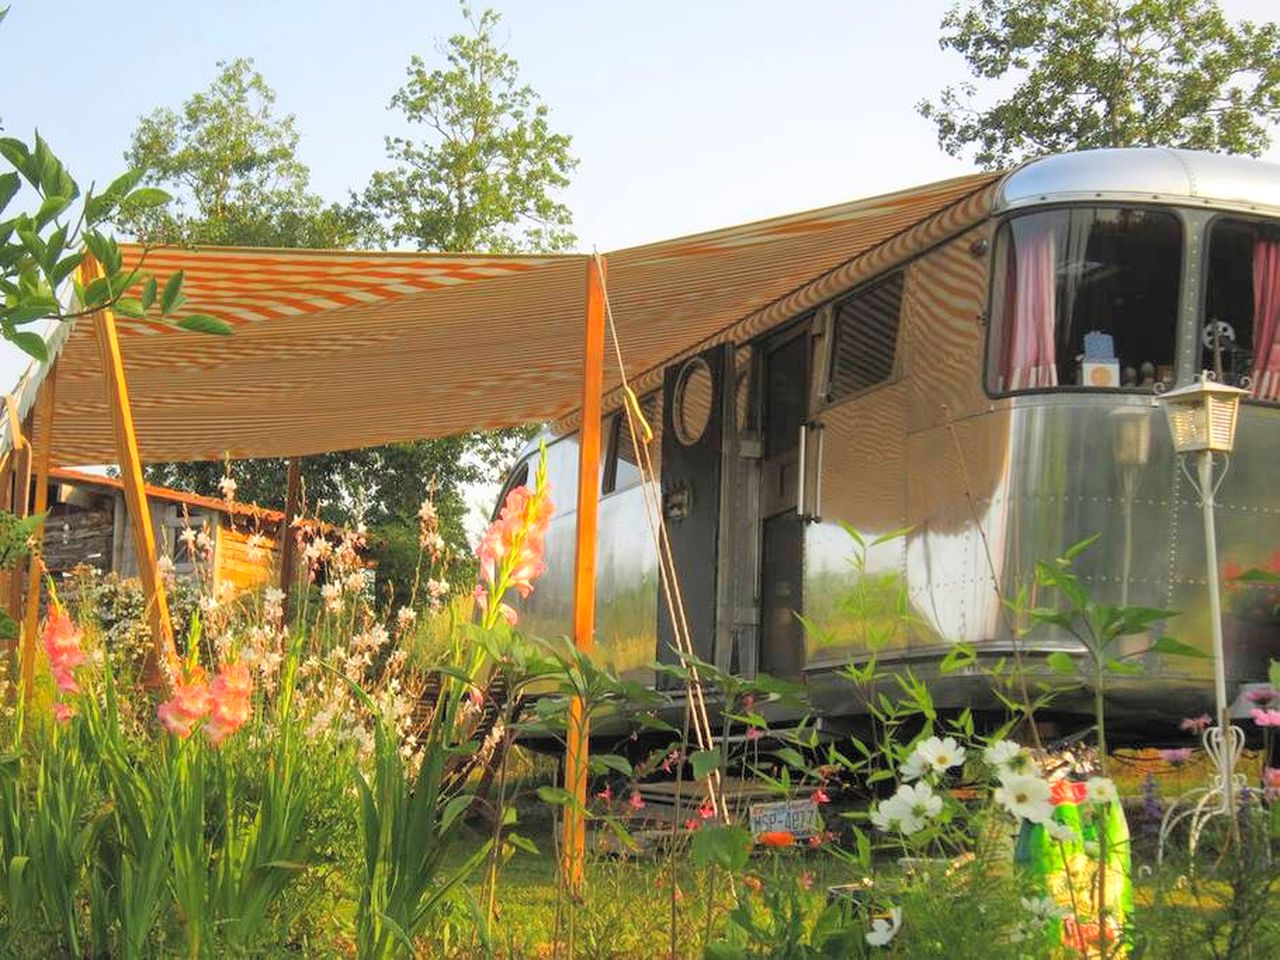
column 693, row 433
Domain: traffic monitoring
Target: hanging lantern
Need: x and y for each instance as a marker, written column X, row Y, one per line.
column 1202, row 415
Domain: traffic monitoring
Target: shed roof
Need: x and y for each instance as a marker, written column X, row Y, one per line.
column 336, row 349
column 168, row 494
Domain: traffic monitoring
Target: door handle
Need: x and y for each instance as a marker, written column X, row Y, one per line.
column 802, row 474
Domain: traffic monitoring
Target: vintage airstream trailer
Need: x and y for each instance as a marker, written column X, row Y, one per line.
column 989, row 384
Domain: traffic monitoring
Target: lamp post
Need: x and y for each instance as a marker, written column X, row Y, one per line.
column 1202, row 420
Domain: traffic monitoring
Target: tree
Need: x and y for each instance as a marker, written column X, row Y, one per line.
column 232, row 165
column 1106, row 73
column 484, row 179
column 232, row 162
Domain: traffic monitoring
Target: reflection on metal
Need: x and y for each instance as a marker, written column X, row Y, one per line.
column 1174, row 177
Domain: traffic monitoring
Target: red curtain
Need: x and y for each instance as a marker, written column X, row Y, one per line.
column 1029, row 358
column 1266, row 319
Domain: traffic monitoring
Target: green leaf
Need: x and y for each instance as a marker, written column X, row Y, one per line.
column 1124, row 667
column 958, row 657
column 792, row 758
column 130, row 307
column 1273, row 674
column 121, row 185
column 30, row 343
column 558, row 796
column 149, row 292
column 727, row 847
column 203, row 323
column 146, row 197
column 1060, row 662
column 16, row 152
column 704, row 762
column 614, row 762
column 9, row 184
column 1080, row 547
column 51, row 207
column 172, row 296
column 1177, row 648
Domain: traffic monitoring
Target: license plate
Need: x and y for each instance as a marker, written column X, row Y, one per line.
column 797, row 817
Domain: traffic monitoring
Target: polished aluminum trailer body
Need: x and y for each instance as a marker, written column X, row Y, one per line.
column 986, row 482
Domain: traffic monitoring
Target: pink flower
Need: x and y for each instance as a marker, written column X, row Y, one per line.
column 805, row 879
column 1196, row 724
column 63, row 711
column 707, row 810
column 1265, row 718
column 635, row 802
column 1261, row 697
column 231, row 696
column 508, row 614
column 675, row 756
column 693, row 823
column 754, row 733
column 62, row 646
column 188, row 705
column 606, row 795
column 1177, row 757
column 819, row 797
column 815, row 841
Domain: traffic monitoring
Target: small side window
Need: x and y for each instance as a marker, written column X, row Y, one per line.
column 621, row 471
column 865, row 332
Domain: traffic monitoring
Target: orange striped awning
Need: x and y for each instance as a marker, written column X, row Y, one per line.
column 339, row 349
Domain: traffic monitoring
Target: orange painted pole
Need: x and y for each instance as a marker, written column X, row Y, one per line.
column 42, row 422
column 584, row 566
column 135, row 493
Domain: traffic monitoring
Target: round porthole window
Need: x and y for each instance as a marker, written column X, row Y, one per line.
column 692, row 401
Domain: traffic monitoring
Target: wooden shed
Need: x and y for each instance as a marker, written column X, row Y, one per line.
column 89, row 524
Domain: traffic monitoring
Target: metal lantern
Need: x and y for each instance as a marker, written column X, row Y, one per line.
column 1131, row 436
column 1202, row 416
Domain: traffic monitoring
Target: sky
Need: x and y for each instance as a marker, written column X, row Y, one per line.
column 685, row 116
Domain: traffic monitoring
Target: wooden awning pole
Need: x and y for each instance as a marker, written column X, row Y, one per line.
column 584, row 580
column 42, row 422
column 135, row 494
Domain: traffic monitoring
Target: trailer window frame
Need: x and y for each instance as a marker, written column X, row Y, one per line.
column 1188, row 233
column 898, row 275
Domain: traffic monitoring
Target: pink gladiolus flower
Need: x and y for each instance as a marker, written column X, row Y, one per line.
column 188, row 705
column 636, row 802
column 511, row 550
column 231, row 696
column 1271, row 777
column 819, row 797
column 1265, row 718
column 1177, row 757
column 1261, row 697
column 62, row 646
column 1196, row 724
column 63, row 711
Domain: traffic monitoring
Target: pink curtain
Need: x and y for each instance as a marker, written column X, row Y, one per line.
column 1029, row 359
column 1266, row 319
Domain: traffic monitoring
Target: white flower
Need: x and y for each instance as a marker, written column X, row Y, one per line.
column 909, row 809
column 228, row 487
column 883, row 931
column 255, row 546
column 405, row 617
column 1101, row 790
column 1008, row 757
column 1025, row 797
column 912, row 768
column 940, row 755
column 1060, row 831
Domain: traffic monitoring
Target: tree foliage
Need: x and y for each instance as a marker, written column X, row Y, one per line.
column 485, row 176
column 233, row 167
column 1076, row 74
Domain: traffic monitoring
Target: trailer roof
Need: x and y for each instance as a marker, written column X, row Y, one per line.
column 339, row 349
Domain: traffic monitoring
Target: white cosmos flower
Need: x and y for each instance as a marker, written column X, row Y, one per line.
column 1101, row 790
column 940, row 755
column 1025, row 797
column 883, row 931
column 912, row 768
column 909, row 809
column 1008, row 757
column 1060, row 831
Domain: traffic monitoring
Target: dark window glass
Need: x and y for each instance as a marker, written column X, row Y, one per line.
column 518, row 477
column 865, row 330
column 786, row 388
column 1240, row 332
column 1085, row 296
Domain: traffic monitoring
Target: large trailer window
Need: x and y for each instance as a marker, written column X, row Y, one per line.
column 1085, row 297
column 866, row 337
column 1240, row 336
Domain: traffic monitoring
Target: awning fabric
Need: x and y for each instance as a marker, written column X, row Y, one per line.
column 337, row 350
